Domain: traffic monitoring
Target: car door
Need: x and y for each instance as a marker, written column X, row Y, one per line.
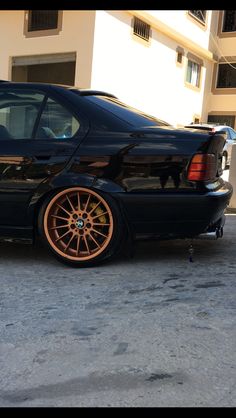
column 229, row 143
column 232, row 134
column 36, row 141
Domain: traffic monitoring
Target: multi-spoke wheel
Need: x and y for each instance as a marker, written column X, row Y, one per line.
column 80, row 226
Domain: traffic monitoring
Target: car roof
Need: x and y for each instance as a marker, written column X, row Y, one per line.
column 80, row 91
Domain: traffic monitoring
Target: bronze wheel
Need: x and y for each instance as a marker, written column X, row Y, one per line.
column 78, row 224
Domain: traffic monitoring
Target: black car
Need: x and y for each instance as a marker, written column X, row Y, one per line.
column 87, row 172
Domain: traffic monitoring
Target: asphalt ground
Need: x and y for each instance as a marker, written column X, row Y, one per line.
column 155, row 330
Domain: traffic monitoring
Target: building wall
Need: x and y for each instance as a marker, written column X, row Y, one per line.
column 219, row 101
column 144, row 75
column 109, row 57
column 76, row 36
column 184, row 23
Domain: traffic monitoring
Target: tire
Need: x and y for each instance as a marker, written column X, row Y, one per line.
column 81, row 226
column 224, row 162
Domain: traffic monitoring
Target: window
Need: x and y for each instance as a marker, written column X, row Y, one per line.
column 42, row 23
column 199, row 14
column 56, row 122
column 179, row 57
column 141, row 29
column 18, row 113
column 42, row 20
column 232, row 134
column 226, row 76
column 125, row 113
column 228, row 120
column 193, row 73
column 229, row 21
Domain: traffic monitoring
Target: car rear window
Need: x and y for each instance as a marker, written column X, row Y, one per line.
column 128, row 114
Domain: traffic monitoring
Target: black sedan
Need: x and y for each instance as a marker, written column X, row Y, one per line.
column 87, row 173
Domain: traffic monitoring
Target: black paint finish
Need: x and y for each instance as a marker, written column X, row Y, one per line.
column 144, row 168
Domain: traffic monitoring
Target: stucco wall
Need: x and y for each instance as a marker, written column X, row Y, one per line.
column 146, row 77
column 183, row 22
column 76, row 36
column 224, row 47
column 109, row 57
column 222, row 102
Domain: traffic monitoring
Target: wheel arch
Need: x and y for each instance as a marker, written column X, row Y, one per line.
column 225, row 152
column 52, row 186
column 47, row 230
column 226, row 156
column 57, row 184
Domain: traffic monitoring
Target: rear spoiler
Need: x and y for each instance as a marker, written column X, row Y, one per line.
column 204, row 128
column 87, row 92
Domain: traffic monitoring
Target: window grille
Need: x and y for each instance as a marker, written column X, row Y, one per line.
column 228, row 120
column 199, row 14
column 42, row 20
column 141, row 29
column 229, row 22
column 226, row 76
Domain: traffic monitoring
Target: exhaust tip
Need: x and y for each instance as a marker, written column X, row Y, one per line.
column 218, row 233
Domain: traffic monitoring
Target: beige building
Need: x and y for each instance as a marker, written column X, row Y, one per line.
column 178, row 65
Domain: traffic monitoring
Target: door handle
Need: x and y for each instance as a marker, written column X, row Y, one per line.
column 42, row 157
column 51, row 159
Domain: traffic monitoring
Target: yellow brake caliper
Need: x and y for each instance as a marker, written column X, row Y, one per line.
column 97, row 211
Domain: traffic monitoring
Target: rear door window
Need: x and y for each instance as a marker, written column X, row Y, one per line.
column 56, row 122
column 19, row 110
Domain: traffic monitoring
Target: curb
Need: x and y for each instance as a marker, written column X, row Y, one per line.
column 230, row 210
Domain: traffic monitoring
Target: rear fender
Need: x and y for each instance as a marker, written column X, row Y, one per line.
column 216, row 143
column 50, row 186
column 60, row 182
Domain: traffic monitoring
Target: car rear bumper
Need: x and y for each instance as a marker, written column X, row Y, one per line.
column 178, row 214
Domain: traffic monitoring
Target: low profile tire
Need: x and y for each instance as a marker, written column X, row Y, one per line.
column 81, row 227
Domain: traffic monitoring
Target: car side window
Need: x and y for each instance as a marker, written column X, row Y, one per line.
column 56, row 122
column 232, row 134
column 227, row 133
column 18, row 112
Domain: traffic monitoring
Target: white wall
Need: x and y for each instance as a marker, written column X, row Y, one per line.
column 145, row 77
column 182, row 22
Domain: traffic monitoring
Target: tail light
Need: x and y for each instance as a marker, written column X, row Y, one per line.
column 202, row 167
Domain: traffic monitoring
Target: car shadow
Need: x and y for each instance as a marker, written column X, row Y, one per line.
column 144, row 251
column 24, row 253
column 176, row 250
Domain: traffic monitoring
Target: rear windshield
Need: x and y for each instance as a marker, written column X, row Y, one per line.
column 128, row 114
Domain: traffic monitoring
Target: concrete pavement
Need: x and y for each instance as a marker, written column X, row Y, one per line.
column 154, row 330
